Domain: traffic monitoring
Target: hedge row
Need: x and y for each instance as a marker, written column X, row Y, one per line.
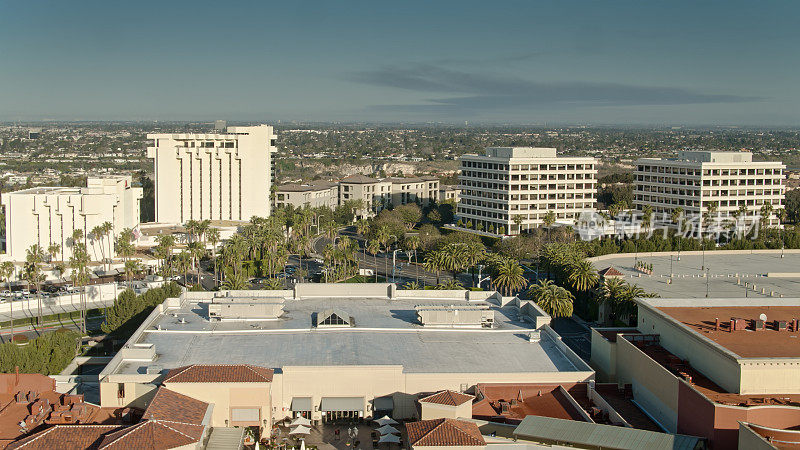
column 130, row 310
column 47, row 354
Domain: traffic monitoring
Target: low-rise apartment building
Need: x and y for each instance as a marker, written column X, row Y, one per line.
column 726, row 182
column 509, row 190
column 49, row 215
column 311, row 194
column 377, row 194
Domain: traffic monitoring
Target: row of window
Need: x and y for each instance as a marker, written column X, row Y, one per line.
column 708, row 172
column 209, row 144
column 527, row 167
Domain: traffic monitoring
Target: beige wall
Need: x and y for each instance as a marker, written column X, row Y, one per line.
column 770, row 375
column 750, row 440
column 225, row 396
column 603, row 358
column 138, row 389
column 436, row 411
column 654, row 388
column 704, row 356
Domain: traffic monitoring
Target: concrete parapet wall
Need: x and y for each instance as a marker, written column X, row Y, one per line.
column 375, row 290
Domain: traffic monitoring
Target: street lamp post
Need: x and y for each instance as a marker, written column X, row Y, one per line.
column 394, row 263
column 707, row 279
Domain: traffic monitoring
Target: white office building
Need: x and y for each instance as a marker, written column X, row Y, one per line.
column 47, row 215
column 223, row 176
column 509, row 190
column 696, row 179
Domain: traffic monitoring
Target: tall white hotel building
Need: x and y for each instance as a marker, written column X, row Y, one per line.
column 222, row 176
column 524, row 182
column 696, row 179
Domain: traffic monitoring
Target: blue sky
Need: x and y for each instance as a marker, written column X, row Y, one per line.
column 601, row 62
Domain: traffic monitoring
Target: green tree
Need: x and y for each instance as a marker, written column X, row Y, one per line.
column 553, row 299
column 583, row 276
column 508, row 276
column 34, row 259
column 6, row 271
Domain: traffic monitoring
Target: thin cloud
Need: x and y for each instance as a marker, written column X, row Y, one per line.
column 472, row 91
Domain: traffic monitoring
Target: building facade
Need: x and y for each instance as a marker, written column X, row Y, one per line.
column 725, row 181
column 49, row 215
column 509, row 190
column 376, row 194
column 221, row 176
column 312, row 194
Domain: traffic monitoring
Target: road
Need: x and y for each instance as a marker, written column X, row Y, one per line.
column 33, row 331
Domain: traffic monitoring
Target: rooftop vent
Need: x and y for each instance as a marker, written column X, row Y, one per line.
column 333, row 318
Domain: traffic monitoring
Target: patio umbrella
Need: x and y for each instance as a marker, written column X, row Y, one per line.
column 300, row 421
column 388, row 429
column 386, row 420
column 389, row 438
column 300, row 429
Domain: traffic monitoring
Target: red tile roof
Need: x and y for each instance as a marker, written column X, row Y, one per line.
column 219, row 373
column 175, row 407
column 171, row 420
column 610, row 272
column 153, row 435
column 444, row 432
column 65, row 437
column 450, row 398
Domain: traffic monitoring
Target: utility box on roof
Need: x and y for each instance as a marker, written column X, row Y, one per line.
column 238, row 308
column 467, row 315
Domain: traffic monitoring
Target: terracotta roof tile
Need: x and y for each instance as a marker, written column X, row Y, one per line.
column 65, row 437
column 450, row 398
column 154, row 435
column 219, row 373
column 444, row 432
column 171, row 420
column 610, row 272
column 175, row 407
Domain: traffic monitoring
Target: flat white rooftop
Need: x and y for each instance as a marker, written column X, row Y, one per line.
column 386, row 332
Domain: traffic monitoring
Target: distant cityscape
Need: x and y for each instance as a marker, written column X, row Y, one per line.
column 230, row 286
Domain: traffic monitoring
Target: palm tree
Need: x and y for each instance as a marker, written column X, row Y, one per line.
column 473, row 253
column 362, row 227
column 184, row 262
column 583, row 276
column 374, row 247
column 132, row 267
column 509, row 276
column 196, row 252
column 6, row 270
column 97, row 234
column 53, row 250
column 517, row 219
column 234, row 281
column 449, row 285
column 452, row 258
column 108, row 230
column 166, row 242
column 433, row 263
column 548, row 221
column 647, row 218
column 79, row 263
column 33, row 273
column 766, row 212
column 554, row 300
column 213, row 237
column 384, row 238
column 412, row 242
column 412, row 286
